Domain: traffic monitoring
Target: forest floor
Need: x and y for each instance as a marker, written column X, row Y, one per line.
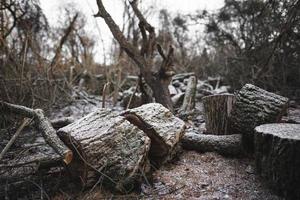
column 196, row 175
column 191, row 175
column 199, row 176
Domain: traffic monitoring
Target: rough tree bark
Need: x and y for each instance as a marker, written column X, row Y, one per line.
column 161, row 126
column 144, row 59
column 108, row 148
column 115, row 147
column 277, row 157
column 227, row 145
column 217, row 109
column 253, row 107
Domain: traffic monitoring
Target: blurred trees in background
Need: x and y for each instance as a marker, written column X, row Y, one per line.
column 35, row 59
column 256, row 41
column 253, row 41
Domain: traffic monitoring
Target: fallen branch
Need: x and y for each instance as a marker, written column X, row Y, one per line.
column 228, row 145
column 44, row 125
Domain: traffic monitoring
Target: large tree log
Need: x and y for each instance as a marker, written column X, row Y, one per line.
column 217, row 109
column 44, row 125
column 255, row 106
column 227, row 145
column 277, row 156
column 108, row 148
column 161, row 126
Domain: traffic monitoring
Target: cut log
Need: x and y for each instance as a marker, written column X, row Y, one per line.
column 255, row 106
column 277, row 157
column 107, row 147
column 227, row 145
column 189, row 98
column 217, row 109
column 161, row 126
column 44, row 125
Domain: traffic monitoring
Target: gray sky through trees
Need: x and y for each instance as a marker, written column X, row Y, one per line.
column 54, row 9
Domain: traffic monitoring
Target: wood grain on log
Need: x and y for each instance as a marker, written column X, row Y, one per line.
column 108, row 147
column 162, row 127
column 227, row 145
column 217, row 109
column 255, row 106
column 277, row 157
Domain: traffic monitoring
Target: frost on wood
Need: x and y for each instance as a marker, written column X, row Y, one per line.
column 108, row 148
column 277, row 156
column 162, row 127
column 255, row 106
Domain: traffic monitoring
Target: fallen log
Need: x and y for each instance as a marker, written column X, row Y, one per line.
column 161, row 126
column 277, row 157
column 255, row 106
column 227, row 145
column 107, row 147
column 44, row 125
column 217, row 109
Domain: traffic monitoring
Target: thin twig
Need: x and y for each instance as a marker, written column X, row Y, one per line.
column 25, row 122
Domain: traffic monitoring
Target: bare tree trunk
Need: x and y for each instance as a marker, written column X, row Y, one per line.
column 144, row 58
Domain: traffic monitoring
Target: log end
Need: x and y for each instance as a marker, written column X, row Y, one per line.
column 68, row 157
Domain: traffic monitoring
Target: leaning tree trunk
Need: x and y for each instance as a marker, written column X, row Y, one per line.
column 255, row 106
column 217, row 109
column 144, row 58
column 277, row 156
column 189, row 98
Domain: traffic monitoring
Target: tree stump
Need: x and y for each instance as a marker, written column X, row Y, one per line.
column 253, row 107
column 277, row 156
column 108, row 149
column 217, row 109
column 161, row 126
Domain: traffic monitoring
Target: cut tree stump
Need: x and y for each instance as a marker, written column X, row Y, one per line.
column 253, row 107
column 277, row 156
column 161, row 126
column 217, row 109
column 109, row 150
column 227, row 145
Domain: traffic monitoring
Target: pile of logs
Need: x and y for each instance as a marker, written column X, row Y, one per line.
column 180, row 85
column 117, row 149
column 121, row 148
column 250, row 121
